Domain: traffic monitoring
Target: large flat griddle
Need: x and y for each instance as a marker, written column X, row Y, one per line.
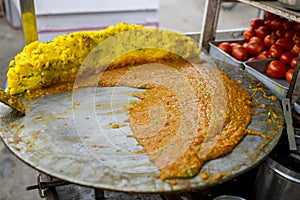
column 83, row 137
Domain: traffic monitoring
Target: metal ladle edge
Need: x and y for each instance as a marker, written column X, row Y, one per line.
column 12, row 102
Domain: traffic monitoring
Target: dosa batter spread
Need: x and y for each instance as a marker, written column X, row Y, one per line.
column 184, row 119
column 189, row 114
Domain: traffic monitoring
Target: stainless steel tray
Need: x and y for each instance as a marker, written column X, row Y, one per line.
column 217, row 53
column 257, row 68
column 83, row 137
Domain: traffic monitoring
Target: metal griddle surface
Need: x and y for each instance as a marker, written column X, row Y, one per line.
column 83, row 137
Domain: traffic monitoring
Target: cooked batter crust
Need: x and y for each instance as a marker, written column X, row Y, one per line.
column 189, row 114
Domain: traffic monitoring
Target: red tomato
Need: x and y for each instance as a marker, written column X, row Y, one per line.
column 287, row 25
column 276, row 50
column 240, row 53
column 276, row 69
column 270, row 16
column 294, row 62
column 262, row 31
column 252, row 58
column 297, row 26
column 256, row 39
column 225, row 46
column 245, row 44
column 296, row 49
column 263, row 55
column 286, row 57
column 276, row 24
column 269, row 40
column 280, row 33
column 255, row 48
column 289, row 34
column 247, row 34
column 286, row 43
column 273, row 33
column 268, row 23
column 289, row 75
column 235, row 44
column 296, row 38
column 256, row 22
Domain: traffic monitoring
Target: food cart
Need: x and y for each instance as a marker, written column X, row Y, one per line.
column 245, row 171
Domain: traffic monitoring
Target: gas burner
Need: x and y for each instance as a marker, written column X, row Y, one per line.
column 54, row 189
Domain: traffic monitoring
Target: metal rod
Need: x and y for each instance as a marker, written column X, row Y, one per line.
column 288, row 120
column 41, row 186
column 29, row 21
column 46, row 185
column 210, row 20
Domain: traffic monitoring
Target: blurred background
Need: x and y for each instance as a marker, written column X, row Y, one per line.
column 56, row 17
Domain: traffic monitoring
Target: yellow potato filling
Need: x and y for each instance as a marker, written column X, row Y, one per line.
column 45, row 64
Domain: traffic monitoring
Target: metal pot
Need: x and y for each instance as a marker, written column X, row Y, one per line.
column 228, row 197
column 275, row 181
column 291, row 4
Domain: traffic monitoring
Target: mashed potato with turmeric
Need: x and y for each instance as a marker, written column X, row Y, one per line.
column 44, row 64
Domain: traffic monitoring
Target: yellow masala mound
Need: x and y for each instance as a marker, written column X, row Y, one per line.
column 42, row 64
column 55, row 64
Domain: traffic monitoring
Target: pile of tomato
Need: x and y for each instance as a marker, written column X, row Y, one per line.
column 271, row 37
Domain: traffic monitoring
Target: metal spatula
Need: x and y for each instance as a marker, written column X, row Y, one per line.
column 12, row 102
